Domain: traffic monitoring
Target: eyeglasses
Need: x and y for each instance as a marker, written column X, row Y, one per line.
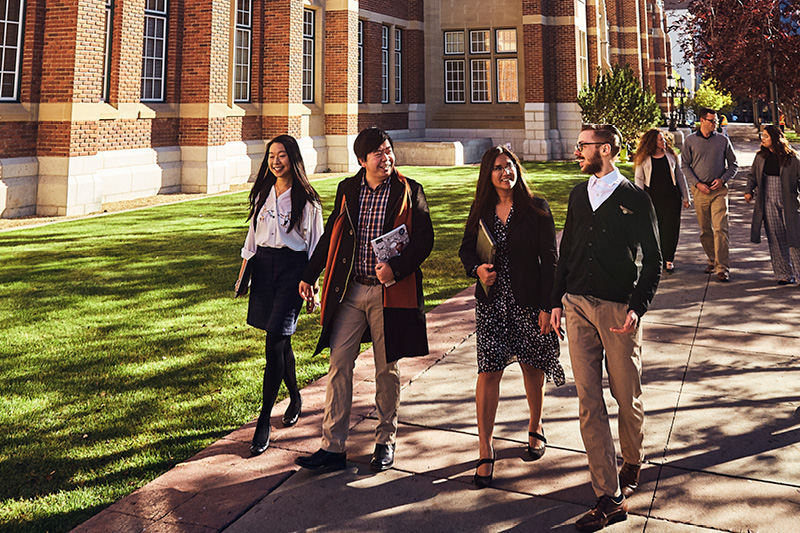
column 713, row 121
column 580, row 146
column 503, row 169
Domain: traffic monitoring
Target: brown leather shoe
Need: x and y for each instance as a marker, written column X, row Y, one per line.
column 605, row 512
column 629, row 478
column 723, row 277
column 709, row 269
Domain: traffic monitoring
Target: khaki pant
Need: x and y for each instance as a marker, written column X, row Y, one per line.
column 712, row 215
column 362, row 307
column 588, row 320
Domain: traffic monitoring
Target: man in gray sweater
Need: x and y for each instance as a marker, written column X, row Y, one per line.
column 708, row 161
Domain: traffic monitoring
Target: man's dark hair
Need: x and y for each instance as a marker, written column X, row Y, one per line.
column 606, row 133
column 370, row 140
column 706, row 111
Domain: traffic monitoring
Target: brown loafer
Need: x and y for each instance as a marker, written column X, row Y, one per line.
column 605, row 512
column 629, row 478
column 723, row 277
column 709, row 269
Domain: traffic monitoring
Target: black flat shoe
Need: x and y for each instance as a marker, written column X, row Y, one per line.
column 292, row 414
column 382, row 457
column 783, row 282
column 260, row 442
column 323, row 460
column 537, row 453
column 484, row 481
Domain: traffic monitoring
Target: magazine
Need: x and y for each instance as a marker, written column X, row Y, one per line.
column 390, row 245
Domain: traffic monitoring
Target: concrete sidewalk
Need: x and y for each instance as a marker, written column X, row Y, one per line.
column 721, row 393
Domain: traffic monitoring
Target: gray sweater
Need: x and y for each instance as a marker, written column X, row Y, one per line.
column 703, row 159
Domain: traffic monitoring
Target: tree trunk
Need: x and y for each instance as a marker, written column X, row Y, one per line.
column 756, row 114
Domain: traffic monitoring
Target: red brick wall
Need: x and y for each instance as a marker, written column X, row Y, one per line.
column 18, row 139
column 393, row 8
column 385, row 121
column 372, row 62
column 414, row 67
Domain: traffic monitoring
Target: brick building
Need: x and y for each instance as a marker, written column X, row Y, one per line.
column 105, row 100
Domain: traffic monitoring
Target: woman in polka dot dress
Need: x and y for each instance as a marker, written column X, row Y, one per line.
column 513, row 319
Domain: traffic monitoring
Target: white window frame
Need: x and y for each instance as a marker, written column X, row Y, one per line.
column 503, row 85
column 360, row 61
column 455, row 90
column 583, row 58
column 474, row 41
column 155, row 33
column 10, row 74
column 384, row 64
column 309, row 55
column 452, row 47
column 500, row 42
column 480, row 86
column 398, row 65
column 242, row 50
column 107, row 46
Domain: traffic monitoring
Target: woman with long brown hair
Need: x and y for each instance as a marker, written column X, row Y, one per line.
column 513, row 318
column 775, row 174
column 658, row 172
column 285, row 226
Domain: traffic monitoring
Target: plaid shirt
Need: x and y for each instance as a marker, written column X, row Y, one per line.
column 371, row 213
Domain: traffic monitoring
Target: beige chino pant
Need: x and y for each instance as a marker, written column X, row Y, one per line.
column 362, row 307
column 712, row 215
column 588, row 322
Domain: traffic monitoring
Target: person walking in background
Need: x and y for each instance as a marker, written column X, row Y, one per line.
column 604, row 296
column 775, row 174
column 285, row 226
column 709, row 162
column 513, row 319
column 659, row 173
column 365, row 299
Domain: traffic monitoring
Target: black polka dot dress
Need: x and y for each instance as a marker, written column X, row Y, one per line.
column 508, row 332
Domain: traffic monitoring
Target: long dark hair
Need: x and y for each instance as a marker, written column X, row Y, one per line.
column 648, row 144
column 302, row 191
column 780, row 145
column 485, row 194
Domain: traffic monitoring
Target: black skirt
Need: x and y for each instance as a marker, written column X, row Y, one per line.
column 275, row 300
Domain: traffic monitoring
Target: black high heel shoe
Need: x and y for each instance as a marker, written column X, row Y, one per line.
column 537, row 453
column 260, row 441
column 292, row 414
column 484, row 481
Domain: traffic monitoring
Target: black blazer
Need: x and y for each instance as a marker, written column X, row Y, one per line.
column 532, row 254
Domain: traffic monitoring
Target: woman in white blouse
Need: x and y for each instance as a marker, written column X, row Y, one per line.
column 285, row 226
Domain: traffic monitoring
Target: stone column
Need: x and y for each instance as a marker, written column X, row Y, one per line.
column 71, row 82
column 341, row 83
column 552, row 115
column 204, row 96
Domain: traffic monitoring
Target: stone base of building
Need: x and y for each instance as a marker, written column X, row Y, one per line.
column 68, row 186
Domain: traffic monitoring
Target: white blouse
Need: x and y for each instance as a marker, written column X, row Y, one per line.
column 273, row 219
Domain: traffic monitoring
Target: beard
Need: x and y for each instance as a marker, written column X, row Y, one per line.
column 593, row 165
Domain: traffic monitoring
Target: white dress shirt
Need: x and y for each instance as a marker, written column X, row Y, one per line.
column 273, row 219
column 601, row 188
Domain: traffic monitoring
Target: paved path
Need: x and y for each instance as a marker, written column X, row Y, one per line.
column 721, row 392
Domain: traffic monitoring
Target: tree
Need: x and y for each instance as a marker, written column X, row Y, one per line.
column 752, row 47
column 710, row 95
column 617, row 97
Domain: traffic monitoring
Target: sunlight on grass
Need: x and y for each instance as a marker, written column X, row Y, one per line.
column 122, row 352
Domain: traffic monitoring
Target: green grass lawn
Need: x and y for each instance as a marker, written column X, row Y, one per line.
column 122, row 351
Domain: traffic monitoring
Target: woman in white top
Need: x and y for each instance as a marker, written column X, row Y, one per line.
column 658, row 172
column 285, row 226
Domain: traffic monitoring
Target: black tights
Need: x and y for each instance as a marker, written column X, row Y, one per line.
column 280, row 368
